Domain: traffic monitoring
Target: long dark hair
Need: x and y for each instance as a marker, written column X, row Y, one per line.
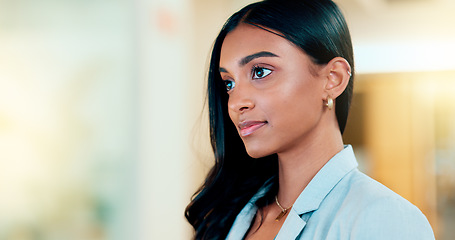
column 319, row 29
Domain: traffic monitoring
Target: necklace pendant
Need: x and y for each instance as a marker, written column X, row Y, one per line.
column 281, row 215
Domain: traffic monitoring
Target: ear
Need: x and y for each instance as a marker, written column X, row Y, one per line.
column 338, row 74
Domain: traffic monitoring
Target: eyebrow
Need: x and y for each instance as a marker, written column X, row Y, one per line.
column 249, row 58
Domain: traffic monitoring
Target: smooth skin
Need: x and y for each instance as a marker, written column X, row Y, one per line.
column 277, row 99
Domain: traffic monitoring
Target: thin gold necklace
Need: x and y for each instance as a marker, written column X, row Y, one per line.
column 283, row 212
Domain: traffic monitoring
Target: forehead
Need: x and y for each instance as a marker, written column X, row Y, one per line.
column 247, row 39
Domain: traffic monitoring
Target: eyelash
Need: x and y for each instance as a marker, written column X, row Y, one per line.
column 229, row 88
column 264, row 70
column 229, row 84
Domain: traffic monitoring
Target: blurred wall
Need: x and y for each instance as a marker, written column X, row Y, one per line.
column 401, row 35
column 165, row 119
column 67, row 119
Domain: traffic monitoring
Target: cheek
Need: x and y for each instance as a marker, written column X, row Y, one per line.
column 295, row 104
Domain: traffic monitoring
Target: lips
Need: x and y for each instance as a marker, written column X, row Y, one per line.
column 248, row 127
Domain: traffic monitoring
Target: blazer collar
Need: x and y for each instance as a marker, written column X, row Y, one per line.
column 312, row 196
column 325, row 180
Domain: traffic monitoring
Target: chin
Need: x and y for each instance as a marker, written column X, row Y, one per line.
column 257, row 152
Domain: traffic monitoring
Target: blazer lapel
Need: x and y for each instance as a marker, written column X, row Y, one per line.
column 292, row 227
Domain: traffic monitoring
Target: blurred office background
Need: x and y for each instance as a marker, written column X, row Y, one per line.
column 103, row 134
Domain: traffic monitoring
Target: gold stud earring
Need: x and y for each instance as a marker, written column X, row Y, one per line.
column 329, row 103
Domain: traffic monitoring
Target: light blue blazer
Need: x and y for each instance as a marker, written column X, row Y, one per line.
column 340, row 202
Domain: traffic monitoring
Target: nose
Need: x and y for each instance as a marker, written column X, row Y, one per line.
column 241, row 100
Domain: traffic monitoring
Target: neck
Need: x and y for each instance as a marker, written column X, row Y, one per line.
column 298, row 167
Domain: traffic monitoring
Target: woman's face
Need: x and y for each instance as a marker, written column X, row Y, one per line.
column 276, row 98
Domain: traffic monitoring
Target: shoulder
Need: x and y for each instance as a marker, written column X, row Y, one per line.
column 376, row 212
column 366, row 190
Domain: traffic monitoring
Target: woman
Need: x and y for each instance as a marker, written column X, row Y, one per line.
column 279, row 89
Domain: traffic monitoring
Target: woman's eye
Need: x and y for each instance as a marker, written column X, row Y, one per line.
column 229, row 85
column 260, row 72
